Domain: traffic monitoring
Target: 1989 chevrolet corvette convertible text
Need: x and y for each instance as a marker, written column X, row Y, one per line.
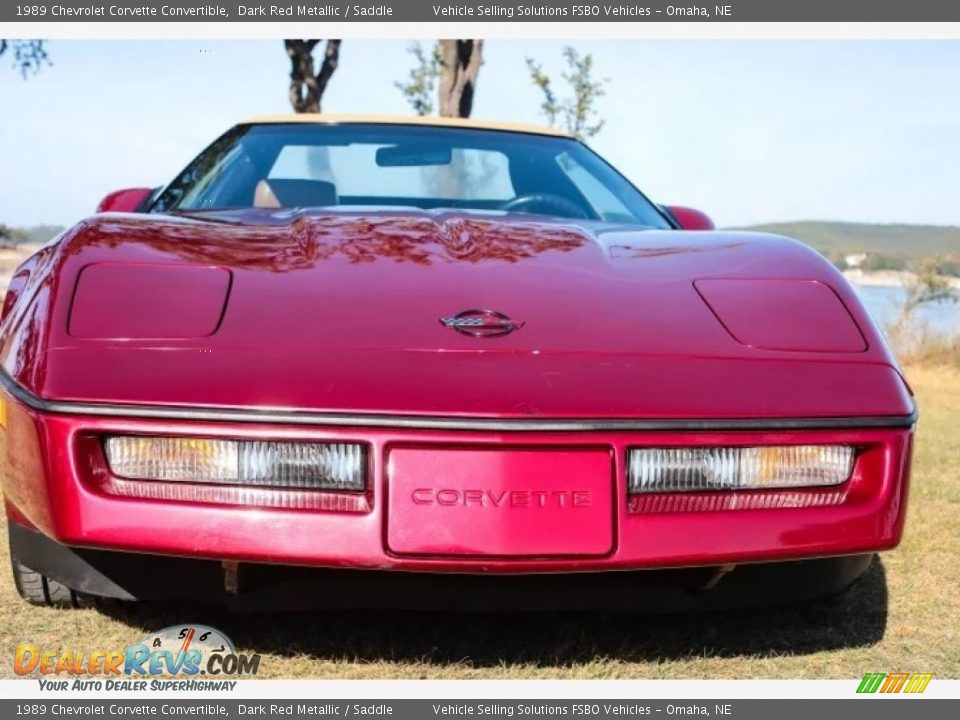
column 395, row 362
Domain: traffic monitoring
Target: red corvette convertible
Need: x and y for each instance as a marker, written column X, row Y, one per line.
column 353, row 361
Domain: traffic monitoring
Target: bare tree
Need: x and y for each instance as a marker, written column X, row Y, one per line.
column 910, row 335
column 928, row 285
column 454, row 65
column 307, row 85
column 451, row 68
column 460, row 62
column 577, row 112
column 28, row 55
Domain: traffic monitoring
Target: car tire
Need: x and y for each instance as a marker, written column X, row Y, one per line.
column 38, row 589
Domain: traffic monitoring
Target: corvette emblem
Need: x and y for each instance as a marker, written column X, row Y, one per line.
column 481, row 323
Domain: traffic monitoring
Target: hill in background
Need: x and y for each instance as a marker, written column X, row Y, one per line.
column 36, row 235
column 42, row 233
column 887, row 247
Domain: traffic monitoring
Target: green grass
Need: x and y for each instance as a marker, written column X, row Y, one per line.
column 904, row 615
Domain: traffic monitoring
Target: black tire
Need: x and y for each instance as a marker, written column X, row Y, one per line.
column 38, row 589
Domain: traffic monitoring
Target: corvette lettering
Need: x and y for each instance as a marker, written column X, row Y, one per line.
column 502, row 498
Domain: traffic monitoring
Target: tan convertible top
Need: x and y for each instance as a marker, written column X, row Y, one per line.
column 406, row 120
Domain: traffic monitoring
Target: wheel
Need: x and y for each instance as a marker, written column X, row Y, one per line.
column 38, row 589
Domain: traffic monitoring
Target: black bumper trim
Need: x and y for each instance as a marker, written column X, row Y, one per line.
column 301, row 417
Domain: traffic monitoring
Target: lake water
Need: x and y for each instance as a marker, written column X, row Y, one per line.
column 885, row 303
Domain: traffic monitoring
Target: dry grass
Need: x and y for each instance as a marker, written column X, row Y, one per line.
column 905, row 614
column 10, row 259
column 931, row 350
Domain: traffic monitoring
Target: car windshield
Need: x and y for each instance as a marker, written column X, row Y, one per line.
column 299, row 165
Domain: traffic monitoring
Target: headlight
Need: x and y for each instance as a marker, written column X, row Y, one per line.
column 299, row 466
column 706, row 469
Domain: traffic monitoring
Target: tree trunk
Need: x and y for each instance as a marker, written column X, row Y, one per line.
column 306, row 86
column 460, row 62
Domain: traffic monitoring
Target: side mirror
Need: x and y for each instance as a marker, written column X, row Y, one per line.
column 690, row 219
column 128, row 200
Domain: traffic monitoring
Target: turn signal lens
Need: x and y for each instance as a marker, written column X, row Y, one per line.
column 302, row 466
column 706, row 469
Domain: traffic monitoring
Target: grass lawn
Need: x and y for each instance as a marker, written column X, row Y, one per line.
column 904, row 615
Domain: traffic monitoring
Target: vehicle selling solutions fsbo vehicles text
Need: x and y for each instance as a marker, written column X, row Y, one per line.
column 523, row 10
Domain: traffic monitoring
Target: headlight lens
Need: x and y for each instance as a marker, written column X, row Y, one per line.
column 301, row 466
column 707, row 469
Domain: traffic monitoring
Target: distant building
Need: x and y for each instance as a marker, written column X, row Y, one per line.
column 854, row 260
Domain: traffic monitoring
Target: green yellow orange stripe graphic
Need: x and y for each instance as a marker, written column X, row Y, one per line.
column 894, row 683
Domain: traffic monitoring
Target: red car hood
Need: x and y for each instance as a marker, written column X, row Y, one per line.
column 341, row 313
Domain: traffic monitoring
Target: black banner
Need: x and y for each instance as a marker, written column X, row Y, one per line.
column 862, row 11
column 872, row 709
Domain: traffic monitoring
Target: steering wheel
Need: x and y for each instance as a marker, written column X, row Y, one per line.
column 528, row 201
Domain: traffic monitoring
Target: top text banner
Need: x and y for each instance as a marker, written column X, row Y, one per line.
column 862, row 11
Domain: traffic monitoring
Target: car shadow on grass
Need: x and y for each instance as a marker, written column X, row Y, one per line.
column 857, row 618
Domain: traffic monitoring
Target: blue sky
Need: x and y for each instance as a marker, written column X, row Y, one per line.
column 749, row 131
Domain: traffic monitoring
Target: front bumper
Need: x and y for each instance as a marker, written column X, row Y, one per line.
column 262, row 587
column 54, row 479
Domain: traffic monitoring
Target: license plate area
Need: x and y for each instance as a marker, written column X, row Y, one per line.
column 494, row 502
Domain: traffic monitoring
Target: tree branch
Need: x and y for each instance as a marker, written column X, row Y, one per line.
column 460, row 62
column 28, row 55
column 331, row 58
column 306, row 87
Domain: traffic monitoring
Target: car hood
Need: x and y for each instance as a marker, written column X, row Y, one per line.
column 341, row 312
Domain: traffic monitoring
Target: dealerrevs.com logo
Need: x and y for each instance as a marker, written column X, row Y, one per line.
column 179, row 651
